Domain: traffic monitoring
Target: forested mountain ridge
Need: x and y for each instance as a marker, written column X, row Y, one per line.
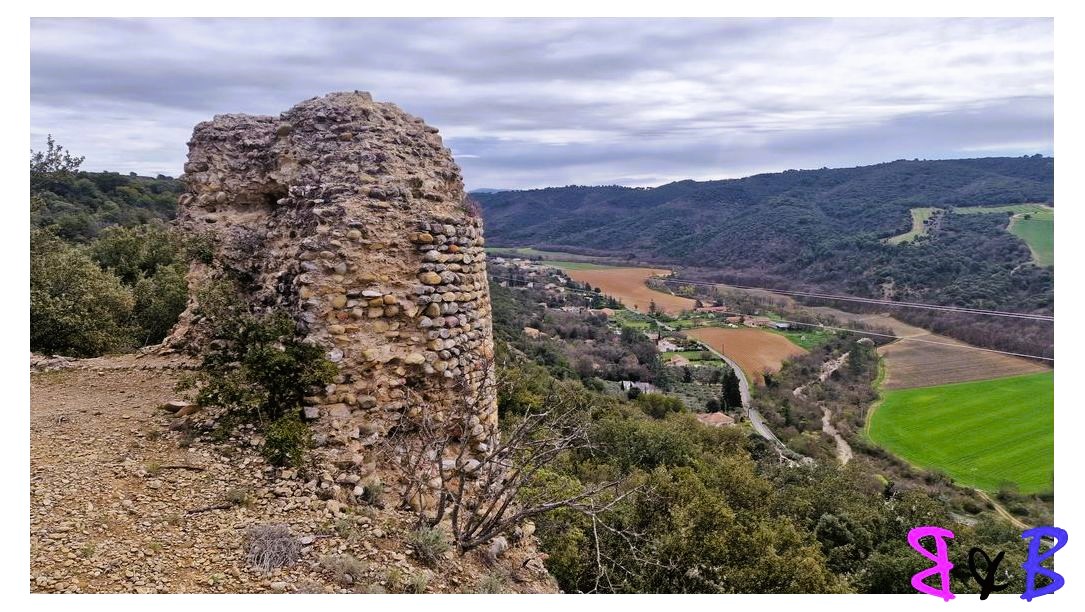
column 762, row 219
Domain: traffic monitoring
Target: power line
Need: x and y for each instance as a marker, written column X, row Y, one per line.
column 843, row 329
column 893, row 303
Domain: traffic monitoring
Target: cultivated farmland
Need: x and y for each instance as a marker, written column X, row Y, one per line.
column 755, row 350
column 981, row 434
column 924, row 359
column 920, row 216
column 932, row 359
column 627, row 285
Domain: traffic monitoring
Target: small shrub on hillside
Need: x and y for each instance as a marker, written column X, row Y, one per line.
column 429, row 544
column 239, row 496
column 286, row 441
column 200, row 248
column 492, row 584
column 270, row 546
column 346, row 569
column 371, row 493
column 418, row 583
column 258, row 371
column 257, row 368
column 393, row 580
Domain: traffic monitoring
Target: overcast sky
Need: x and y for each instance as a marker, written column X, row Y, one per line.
column 533, row 103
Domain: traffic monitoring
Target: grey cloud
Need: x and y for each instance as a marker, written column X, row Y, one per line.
column 538, row 102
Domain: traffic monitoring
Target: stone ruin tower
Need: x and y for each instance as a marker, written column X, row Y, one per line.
column 351, row 216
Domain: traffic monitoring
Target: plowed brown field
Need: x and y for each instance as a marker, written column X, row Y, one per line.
column 756, row 351
column 922, row 364
column 627, row 285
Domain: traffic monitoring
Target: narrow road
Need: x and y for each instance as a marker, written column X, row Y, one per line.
column 752, row 414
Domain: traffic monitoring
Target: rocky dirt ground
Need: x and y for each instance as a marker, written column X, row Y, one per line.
column 120, row 503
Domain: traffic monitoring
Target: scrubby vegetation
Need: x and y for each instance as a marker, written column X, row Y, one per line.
column 104, row 277
column 271, row 546
column 258, row 372
column 575, row 345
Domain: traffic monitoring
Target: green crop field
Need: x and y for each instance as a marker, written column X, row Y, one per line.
column 1039, row 234
column 919, row 227
column 982, row 434
column 1034, row 209
column 1037, row 230
column 633, row 319
column 806, row 338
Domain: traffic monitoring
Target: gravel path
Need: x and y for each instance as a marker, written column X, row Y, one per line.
column 843, row 449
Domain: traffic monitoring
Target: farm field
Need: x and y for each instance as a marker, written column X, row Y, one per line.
column 922, row 364
column 627, row 285
column 755, row 350
column 1039, row 234
column 806, row 338
column 919, row 226
column 1038, row 231
column 982, row 434
column 1017, row 209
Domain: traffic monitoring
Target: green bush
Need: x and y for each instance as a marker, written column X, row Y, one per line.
column 286, row 441
column 257, row 369
column 657, row 405
column 76, row 308
column 133, row 253
column 159, row 300
column 259, row 372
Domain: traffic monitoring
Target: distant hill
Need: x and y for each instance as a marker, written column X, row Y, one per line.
column 811, row 228
column 764, row 218
column 485, row 190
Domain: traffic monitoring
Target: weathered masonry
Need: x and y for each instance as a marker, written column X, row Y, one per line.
column 351, row 216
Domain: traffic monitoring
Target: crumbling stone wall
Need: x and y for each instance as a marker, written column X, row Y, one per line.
column 351, row 216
